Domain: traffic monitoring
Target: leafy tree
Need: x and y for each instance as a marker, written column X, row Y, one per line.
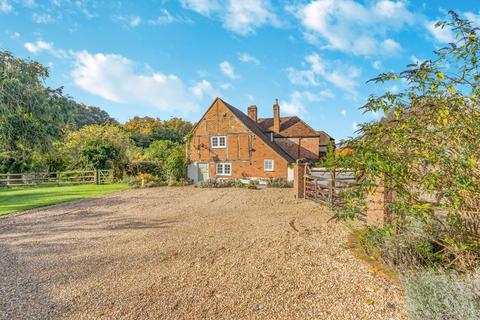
column 174, row 166
column 159, row 150
column 97, row 146
column 427, row 149
column 87, row 115
column 32, row 115
column 97, row 153
column 145, row 130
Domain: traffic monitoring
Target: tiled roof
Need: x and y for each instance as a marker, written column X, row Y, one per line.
column 257, row 130
column 289, row 127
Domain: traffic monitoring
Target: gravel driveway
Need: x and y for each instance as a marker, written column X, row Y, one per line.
column 186, row 253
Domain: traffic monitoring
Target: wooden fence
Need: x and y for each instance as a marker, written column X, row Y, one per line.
column 325, row 185
column 56, row 178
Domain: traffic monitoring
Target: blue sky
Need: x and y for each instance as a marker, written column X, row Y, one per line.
column 172, row 58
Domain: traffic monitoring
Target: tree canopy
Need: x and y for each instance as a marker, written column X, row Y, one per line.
column 427, row 149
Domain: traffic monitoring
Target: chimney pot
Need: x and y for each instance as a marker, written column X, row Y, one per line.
column 252, row 112
column 276, row 117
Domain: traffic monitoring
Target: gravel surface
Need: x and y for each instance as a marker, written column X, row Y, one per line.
column 186, row 253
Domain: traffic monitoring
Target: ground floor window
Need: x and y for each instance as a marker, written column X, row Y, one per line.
column 268, row 165
column 224, row 169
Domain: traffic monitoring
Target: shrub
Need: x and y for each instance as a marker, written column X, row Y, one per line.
column 279, row 183
column 443, row 295
column 145, row 180
column 153, row 168
column 174, row 166
column 218, row 183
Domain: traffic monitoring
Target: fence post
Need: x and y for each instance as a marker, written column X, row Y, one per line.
column 97, row 177
column 299, row 179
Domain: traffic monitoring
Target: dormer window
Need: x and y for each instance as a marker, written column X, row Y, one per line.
column 218, row 142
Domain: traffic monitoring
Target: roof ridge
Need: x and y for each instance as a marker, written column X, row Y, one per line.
column 253, row 126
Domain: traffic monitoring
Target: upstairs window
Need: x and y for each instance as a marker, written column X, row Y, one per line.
column 224, row 169
column 268, row 165
column 218, row 142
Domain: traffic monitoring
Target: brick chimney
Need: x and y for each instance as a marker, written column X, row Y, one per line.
column 276, row 117
column 252, row 113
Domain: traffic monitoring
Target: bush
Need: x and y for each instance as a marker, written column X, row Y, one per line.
column 443, row 295
column 218, row 183
column 153, row 168
column 174, row 166
column 279, row 183
column 145, row 180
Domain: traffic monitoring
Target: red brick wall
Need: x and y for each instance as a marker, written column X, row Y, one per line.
column 244, row 151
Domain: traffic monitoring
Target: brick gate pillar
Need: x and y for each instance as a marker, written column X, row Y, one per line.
column 298, row 179
column 375, row 206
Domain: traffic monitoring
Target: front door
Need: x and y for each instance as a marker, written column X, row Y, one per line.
column 202, row 171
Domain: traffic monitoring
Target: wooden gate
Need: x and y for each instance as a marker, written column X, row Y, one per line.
column 325, row 185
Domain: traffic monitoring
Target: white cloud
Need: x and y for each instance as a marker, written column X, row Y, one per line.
column 39, row 46
column 377, row 65
column 349, row 26
column 441, row 35
column 204, row 7
column 391, row 46
column 42, row 18
column 5, row 7
column 302, row 77
column 296, row 104
column 474, row 18
column 113, row 77
column 228, row 70
column 245, row 57
column 130, row 21
column 416, row 60
column 242, row 17
column 202, row 89
column 166, row 18
column 344, row 112
column 340, row 75
column 225, row 86
column 355, row 126
column 15, row 35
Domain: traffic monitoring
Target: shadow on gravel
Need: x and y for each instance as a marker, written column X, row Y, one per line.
column 20, row 291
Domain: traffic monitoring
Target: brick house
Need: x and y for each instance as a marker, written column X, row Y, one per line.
column 227, row 143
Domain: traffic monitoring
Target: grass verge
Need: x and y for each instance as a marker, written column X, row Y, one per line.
column 20, row 199
column 374, row 262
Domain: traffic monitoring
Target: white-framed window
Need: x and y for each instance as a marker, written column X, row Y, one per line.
column 218, row 142
column 268, row 165
column 224, row 169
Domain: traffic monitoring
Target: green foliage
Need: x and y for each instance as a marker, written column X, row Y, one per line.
column 218, row 183
column 279, row 183
column 88, row 115
column 175, row 164
column 153, row 168
column 443, row 295
column 145, row 180
column 427, row 150
column 31, row 114
column 97, row 153
column 97, row 146
column 159, row 150
column 145, row 130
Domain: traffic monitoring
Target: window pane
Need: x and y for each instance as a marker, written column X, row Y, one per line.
column 222, row 142
column 214, row 141
column 268, row 165
column 227, row 168
column 219, row 168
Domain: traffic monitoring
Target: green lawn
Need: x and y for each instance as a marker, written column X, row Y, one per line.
column 19, row 199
